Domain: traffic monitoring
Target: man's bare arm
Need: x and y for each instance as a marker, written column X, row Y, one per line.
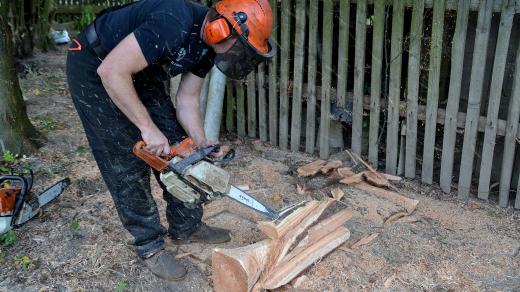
column 187, row 106
column 116, row 72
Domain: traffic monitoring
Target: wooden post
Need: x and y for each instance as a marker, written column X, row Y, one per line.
column 511, row 139
column 452, row 108
column 359, row 77
column 273, row 84
column 241, row 115
column 412, row 98
column 430, row 129
column 326, row 73
column 343, row 41
column 310, row 134
column 475, row 96
column 251, row 105
column 375, row 83
column 394, row 92
column 230, row 107
column 285, row 24
column 299, row 55
column 497, row 80
column 262, row 104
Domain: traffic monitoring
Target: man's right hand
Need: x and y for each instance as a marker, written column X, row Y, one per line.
column 155, row 141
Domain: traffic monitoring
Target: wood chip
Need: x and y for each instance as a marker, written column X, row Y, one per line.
column 392, row 177
column 331, row 165
column 352, row 180
column 337, row 194
column 365, row 240
column 299, row 281
column 243, row 187
column 395, row 217
column 181, row 255
column 345, row 172
column 375, row 180
column 311, row 168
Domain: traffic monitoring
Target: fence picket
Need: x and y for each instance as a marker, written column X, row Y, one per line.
column 433, row 91
column 230, row 106
column 273, row 84
column 475, row 96
column 251, row 105
column 499, row 67
column 452, row 108
column 285, row 38
column 511, row 139
column 359, row 77
column 394, row 92
column 241, row 114
column 262, row 104
column 343, row 41
column 412, row 97
column 310, row 133
column 326, row 73
column 375, row 83
column 299, row 44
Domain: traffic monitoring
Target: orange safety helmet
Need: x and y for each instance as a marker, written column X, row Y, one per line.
column 252, row 22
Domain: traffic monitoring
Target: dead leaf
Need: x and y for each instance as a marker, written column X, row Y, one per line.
column 276, row 198
column 337, row 194
column 365, row 240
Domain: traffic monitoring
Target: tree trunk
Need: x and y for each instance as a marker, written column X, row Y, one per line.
column 16, row 132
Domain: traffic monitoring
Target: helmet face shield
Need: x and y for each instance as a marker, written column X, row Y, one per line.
column 241, row 59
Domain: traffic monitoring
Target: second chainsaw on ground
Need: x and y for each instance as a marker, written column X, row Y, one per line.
column 192, row 177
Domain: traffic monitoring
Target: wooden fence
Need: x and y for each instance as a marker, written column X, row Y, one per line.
column 432, row 88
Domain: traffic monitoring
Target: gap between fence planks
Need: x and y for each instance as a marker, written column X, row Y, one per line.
column 359, row 77
column 376, row 80
column 251, row 105
column 394, row 91
column 299, row 55
column 452, row 108
column 499, row 66
column 241, row 114
column 475, row 96
column 262, row 104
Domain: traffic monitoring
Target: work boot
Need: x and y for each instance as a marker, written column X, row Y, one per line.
column 164, row 265
column 205, row 234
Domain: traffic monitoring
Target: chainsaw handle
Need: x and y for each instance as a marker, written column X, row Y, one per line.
column 155, row 161
column 23, row 192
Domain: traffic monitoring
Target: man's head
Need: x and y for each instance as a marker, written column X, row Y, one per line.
column 239, row 31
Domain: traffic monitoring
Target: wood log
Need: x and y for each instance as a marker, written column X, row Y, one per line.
column 284, row 273
column 375, row 180
column 331, row 165
column 275, row 232
column 352, row 180
column 238, row 269
column 311, row 168
column 407, row 203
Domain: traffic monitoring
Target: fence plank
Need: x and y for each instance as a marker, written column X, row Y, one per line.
column 326, row 73
column 414, row 73
column 343, row 41
column 359, row 77
column 475, row 96
column 499, row 66
column 299, row 53
column 430, row 129
column 262, row 104
column 241, row 111
column 251, row 105
column 273, row 84
column 375, row 82
column 511, row 139
column 285, row 24
column 310, row 134
column 230, row 106
column 452, row 108
column 394, row 92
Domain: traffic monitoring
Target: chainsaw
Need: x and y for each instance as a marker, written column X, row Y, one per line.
column 191, row 176
column 18, row 205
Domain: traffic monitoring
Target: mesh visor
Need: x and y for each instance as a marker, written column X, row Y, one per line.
column 241, row 59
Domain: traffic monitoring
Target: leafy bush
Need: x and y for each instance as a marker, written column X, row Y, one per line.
column 87, row 16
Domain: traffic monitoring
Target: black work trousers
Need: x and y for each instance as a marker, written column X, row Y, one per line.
column 111, row 136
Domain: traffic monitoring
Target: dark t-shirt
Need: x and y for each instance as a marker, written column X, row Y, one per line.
column 168, row 32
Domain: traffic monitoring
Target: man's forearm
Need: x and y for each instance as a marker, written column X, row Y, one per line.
column 188, row 114
column 121, row 90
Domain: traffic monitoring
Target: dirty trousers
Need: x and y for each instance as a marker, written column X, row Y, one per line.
column 111, row 137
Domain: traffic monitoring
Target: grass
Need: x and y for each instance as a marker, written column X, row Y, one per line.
column 7, row 238
column 45, row 123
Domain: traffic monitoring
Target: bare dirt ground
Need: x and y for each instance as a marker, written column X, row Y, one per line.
column 79, row 244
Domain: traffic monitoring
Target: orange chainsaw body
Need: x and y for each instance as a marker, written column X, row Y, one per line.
column 7, row 199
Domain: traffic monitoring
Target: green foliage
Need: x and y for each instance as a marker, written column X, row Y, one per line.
column 121, row 286
column 7, row 238
column 46, row 123
column 8, row 156
column 87, row 16
column 81, row 149
column 23, row 261
column 74, row 225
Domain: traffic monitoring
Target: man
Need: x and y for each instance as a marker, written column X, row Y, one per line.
column 115, row 70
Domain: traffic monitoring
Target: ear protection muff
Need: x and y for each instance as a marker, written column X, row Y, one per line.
column 217, row 28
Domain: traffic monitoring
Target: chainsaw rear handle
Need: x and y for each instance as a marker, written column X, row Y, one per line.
column 155, row 161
